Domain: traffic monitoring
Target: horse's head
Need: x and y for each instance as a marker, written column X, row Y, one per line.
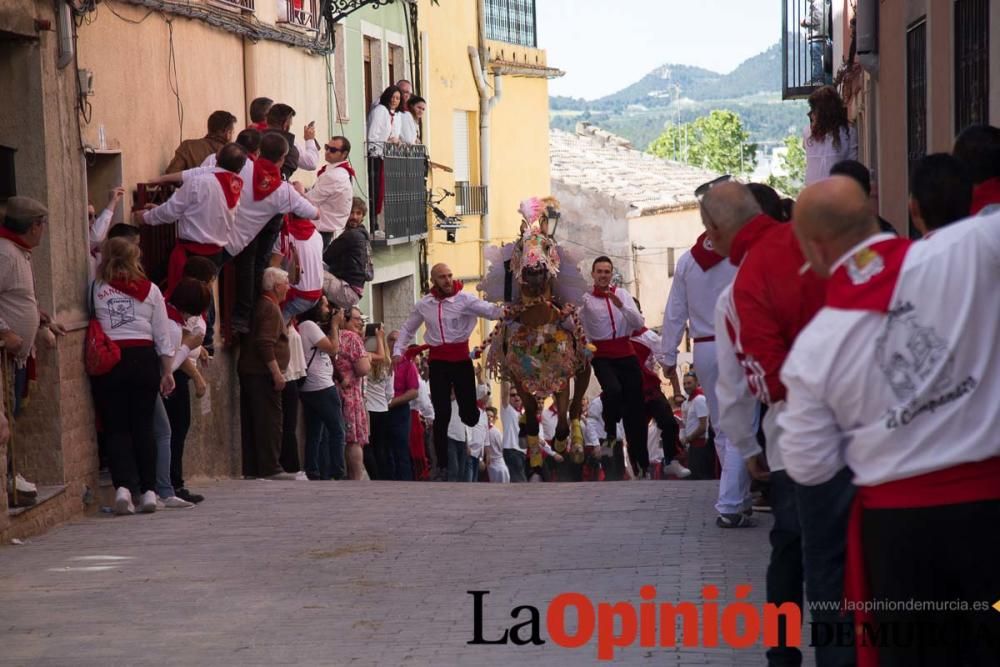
column 535, row 261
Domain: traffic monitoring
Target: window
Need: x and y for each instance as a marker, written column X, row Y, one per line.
column 369, row 74
column 972, row 42
column 340, row 89
column 397, row 64
column 246, row 5
column 461, row 137
column 301, row 13
column 916, row 93
column 511, row 21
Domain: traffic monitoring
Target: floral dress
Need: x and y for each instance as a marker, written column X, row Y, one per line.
column 352, row 348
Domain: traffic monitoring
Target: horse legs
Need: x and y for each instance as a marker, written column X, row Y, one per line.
column 530, row 424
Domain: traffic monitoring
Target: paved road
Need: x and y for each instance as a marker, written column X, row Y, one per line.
column 339, row 573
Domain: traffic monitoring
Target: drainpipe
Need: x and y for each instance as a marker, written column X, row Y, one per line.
column 486, row 104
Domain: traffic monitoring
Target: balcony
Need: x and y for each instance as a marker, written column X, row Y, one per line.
column 302, row 14
column 404, row 209
column 471, row 199
column 511, row 21
column 806, row 47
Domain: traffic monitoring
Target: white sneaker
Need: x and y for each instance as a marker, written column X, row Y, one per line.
column 24, row 486
column 676, row 469
column 173, row 503
column 301, row 476
column 147, row 504
column 123, row 502
column 283, row 476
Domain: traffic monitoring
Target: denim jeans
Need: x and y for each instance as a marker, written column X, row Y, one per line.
column 515, row 464
column 457, row 453
column 471, row 469
column 784, row 571
column 161, row 434
column 823, row 513
column 400, row 463
column 296, row 306
column 817, row 49
column 324, row 450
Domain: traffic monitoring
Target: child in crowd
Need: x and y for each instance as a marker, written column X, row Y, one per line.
column 349, row 260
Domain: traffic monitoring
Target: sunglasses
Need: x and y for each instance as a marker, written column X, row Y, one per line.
column 334, row 149
column 702, row 190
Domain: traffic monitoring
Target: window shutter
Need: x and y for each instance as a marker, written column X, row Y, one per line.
column 461, row 135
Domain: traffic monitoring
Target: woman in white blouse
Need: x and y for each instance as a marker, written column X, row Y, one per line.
column 830, row 137
column 133, row 314
column 409, row 132
column 384, row 121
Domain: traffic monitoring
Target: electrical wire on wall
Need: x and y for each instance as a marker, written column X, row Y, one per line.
column 175, row 83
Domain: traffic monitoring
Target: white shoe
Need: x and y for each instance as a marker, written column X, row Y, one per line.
column 676, row 469
column 283, row 476
column 301, row 476
column 147, row 504
column 24, row 486
column 173, row 503
column 123, row 502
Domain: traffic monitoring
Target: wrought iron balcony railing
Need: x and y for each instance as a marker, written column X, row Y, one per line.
column 806, row 47
column 511, row 21
column 404, row 209
column 301, row 13
column 471, row 199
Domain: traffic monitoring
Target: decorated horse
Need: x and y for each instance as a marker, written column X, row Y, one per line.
column 540, row 346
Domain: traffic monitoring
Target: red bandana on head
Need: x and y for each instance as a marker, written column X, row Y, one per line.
column 703, row 253
column 232, row 185
column 175, row 314
column 456, row 287
column 266, row 178
column 137, row 289
column 867, row 280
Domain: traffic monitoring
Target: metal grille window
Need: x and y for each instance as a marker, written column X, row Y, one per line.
column 246, row 5
column 806, row 46
column 302, row 13
column 511, row 21
column 404, row 209
column 916, row 92
column 471, row 199
column 972, row 48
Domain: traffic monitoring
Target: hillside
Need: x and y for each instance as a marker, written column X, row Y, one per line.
column 680, row 93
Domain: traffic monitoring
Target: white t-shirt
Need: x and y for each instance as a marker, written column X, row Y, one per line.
column 477, row 435
column 822, row 155
column 456, row 429
column 409, row 129
column 319, row 372
column 511, row 421
column 494, row 444
column 692, row 411
column 378, row 393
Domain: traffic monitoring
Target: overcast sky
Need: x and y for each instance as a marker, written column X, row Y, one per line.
column 605, row 45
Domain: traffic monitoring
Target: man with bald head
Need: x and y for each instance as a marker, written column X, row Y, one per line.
column 757, row 319
column 897, row 378
column 449, row 316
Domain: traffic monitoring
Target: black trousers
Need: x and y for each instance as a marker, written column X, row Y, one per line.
column 378, row 441
column 260, row 425
column 127, row 399
column 289, row 457
column 785, row 578
column 621, row 384
column 445, row 376
column 658, row 409
column 250, row 265
column 944, row 553
column 178, row 406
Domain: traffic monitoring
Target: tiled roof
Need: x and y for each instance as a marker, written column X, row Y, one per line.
column 597, row 160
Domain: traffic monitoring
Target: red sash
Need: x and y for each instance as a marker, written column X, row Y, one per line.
column 703, row 253
column 450, row 351
column 178, row 258
column 964, row 483
column 613, row 348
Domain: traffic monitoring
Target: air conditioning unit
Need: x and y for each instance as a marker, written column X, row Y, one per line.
column 86, row 79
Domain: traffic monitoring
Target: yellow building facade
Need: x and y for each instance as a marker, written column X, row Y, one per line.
column 513, row 148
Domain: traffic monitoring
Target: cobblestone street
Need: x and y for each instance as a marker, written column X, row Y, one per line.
column 365, row 574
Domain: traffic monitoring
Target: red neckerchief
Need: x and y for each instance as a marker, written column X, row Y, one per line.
column 604, row 295
column 232, row 185
column 456, row 287
column 13, row 238
column 748, row 235
column 266, row 178
column 175, row 314
column 300, row 228
column 137, row 289
column 346, row 166
column 984, row 194
column 703, row 253
column 259, row 126
column 697, row 392
column 867, row 280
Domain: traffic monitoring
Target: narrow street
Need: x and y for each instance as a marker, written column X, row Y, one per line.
column 366, row 574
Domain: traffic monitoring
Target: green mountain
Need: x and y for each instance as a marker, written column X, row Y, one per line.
column 681, row 93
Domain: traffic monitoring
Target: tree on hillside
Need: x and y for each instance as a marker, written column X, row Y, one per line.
column 717, row 142
column 793, row 163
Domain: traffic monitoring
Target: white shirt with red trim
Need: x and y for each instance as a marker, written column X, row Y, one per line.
column 692, row 298
column 252, row 215
column 200, row 209
column 908, row 389
column 125, row 318
column 450, row 320
column 693, row 411
column 603, row 320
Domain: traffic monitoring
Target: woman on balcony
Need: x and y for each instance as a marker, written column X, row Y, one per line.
column 409, row 131
column 384, row 123
column 830, row 137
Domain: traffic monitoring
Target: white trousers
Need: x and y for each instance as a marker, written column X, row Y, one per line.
column 734, row 484
column 706, row 367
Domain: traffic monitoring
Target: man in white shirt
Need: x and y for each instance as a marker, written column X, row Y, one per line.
column 334, row 190
column 264, row 202
column 896, row 378
column 694, row 434
column 478, row 435
column 609, row 317
column 449, row 316
column 496, row 467
column 204, row 209
column 457, row 433
column 512, row 411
